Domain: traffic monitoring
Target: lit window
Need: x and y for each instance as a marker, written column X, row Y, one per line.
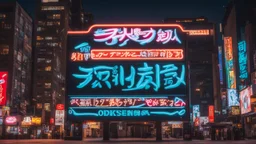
column 47, row 85
column 48, row 68
column 51, row 8
column 56, row 16
column 39, row 38
column 40, row 59
column 4, row 49
column 48, row 38
column 2, row 16
column 48, row 61
column 49, row 23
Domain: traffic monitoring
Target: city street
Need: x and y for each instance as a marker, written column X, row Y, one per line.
column 122, row 142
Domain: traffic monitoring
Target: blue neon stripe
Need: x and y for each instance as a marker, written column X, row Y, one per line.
column 181, row 112
column 127, row 107
column 138, row 106
column 82, row 114
column 127, row 96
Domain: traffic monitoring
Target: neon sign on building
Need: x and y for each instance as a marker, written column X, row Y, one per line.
column 230, row 69
column 242, row 58
column 3, row 87
column 125, row 71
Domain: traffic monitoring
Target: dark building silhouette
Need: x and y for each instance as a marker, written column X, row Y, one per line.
column 201, row 50
column 16, row 54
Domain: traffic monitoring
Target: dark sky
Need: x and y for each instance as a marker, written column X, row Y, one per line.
column 145, row 11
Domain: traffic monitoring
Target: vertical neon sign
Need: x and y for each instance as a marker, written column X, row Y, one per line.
column 230, row 70
column 242, row 59
column 211, row 113
column 220, row 64
column 3, row 87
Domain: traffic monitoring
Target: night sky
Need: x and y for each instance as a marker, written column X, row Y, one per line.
column 145, row 11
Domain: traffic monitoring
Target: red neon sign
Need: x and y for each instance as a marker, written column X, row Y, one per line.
column 127, row 25
column 60, row 107
column 3, row 87
column 211, row 113
column 52, row 121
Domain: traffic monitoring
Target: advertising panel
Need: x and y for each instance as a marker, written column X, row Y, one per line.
column 233, row 99
column 243, row 64
column 3, row 87
column 211, row 113
column 245, row 100
column 196, row 112
column 59, row 117
column 220, row 55
column 229, row 63
column 117, row 72
column 234, row 110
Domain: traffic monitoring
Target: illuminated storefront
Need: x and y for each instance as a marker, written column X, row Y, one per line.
column 127, row 72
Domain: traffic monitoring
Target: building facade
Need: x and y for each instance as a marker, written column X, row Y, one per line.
column 239, row 52
column 16, row 65
column 202, row 54
column 16, row 55
column 50, row 34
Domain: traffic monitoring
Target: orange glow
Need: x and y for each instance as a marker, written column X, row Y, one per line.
column 199, row 32
column 211, row 113
column 135, row 54
column 127, row 25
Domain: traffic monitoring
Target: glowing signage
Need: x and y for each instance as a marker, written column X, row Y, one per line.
column 233, row 99
column 234, row 110
column 121, row 36
column 199, row 32
column 127, row 72
column 211, row 113
column 220, row 64
column 196, row 112
column 230, row 70
column 128, row 102
column 149, row 77
column 242, row 53
column 60, row 107
column 245, row 100
column 36, row 121
column 3, row 87
column 203, row 120
column 128, row 113
column 59, row 117
column 129, row 54
column 11, row 120
column 27, row 121
column 52, row 121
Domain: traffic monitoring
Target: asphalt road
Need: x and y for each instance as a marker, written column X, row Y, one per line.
column 122, row 142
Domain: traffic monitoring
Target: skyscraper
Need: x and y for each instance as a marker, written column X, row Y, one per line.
column 51, row 25
column 15, row 56
column 202, row 57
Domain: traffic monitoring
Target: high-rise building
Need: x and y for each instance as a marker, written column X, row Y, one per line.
column 15, row 57
column 79, row 19
column 240, row 53
column 51, row 25
column 201, row 52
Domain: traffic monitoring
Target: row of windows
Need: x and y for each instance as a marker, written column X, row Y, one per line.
column 49, row 23
column 53, row 16
column 39, row 38
column 47, row 68
column 39, row 60
column 2, row 16
column 51, row 44
column 52, row 8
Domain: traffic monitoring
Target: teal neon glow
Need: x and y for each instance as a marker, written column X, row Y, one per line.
column 132, row 107
column 126, row 113
column 84, row 47
column 180, row 113
column 124, row 96
column 242, row 58
column 72, row 111
column 150, row 77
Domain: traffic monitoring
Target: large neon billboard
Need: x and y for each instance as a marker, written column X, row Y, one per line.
column 242, row 59
column 245, row 100
column 3, row 88
column 229, row 63
column 120, row 72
